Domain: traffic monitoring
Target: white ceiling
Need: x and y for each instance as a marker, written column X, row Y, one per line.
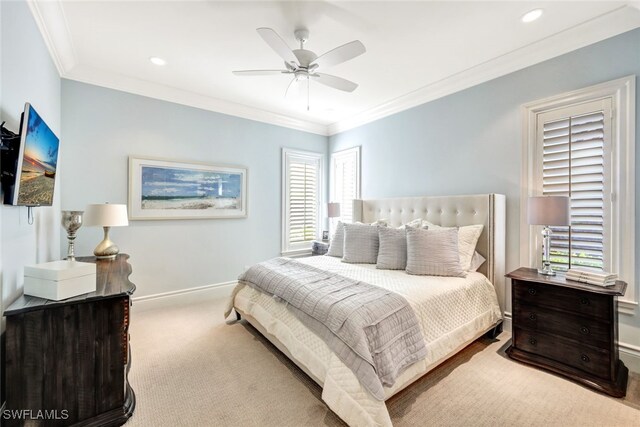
column 416, row 51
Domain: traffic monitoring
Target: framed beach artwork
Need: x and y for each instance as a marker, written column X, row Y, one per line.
column 165, row 189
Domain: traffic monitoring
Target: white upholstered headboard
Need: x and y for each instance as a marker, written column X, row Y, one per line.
column 450, row 211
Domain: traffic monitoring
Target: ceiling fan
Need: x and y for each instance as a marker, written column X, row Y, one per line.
column 303, row 63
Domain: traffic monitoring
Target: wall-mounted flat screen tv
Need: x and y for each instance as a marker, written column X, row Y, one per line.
column 37, row 162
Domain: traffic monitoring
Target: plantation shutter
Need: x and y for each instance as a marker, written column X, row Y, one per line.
column 303, row 201
column 346, row 181
column 574, row 163
column 301, row 189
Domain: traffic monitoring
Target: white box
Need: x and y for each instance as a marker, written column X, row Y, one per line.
column 59, row 280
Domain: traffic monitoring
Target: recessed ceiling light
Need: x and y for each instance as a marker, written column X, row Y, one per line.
column 531, row 15
column 157, row 61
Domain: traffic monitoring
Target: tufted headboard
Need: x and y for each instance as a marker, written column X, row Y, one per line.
column 450, row 211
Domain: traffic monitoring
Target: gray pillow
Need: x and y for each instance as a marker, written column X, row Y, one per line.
column 433, row 252
column 360, row 243
column 392, row 254
column 337, row 242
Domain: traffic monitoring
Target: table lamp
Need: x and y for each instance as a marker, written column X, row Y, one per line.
column 106, row 216
column 333, row 210
column 548, row 211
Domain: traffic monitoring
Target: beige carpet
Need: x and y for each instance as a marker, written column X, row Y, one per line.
column 191, row 369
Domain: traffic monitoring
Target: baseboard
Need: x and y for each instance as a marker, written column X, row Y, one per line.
column 629, row 353
column 183, row 296
column 506, row 322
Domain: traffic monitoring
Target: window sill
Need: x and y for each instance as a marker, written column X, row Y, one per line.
column 296, row 253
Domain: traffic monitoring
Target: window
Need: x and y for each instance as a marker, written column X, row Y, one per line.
column 345, row 180
column 302, row 189
column 581, row 145
column 574, row 148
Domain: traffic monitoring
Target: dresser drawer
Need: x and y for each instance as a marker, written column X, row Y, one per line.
column 575, row 301
column 586, row 330
column 588, row 359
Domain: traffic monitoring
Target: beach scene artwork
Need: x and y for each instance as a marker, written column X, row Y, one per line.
column 39, row 162
column 174, row 188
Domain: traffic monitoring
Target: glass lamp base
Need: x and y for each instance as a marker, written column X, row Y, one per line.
column 546, row 271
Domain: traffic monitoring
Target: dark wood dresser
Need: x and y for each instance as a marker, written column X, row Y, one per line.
column 569, row 328
column 68, row 360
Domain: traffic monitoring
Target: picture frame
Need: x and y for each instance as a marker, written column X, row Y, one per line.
column 163, row 189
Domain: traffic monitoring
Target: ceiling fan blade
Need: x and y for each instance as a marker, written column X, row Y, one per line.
column 277, row 44
column 259, row 72
column 335, row 82
column 340, row 54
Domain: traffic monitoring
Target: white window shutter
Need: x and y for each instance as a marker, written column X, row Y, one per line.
column 345, row 180
column 302, row 190
column 573, row 164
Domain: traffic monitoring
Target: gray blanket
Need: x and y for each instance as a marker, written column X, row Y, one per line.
column 372, row 330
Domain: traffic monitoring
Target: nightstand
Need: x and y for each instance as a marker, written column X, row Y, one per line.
column 568, row 328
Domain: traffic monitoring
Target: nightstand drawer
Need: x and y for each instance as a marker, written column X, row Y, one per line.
column 591, row 331
column 586, row 303
column 588, row 359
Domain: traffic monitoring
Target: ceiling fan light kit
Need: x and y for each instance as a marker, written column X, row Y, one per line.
column 303, row 63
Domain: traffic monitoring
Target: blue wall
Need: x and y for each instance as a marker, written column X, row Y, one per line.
column 470, row 141
column 102, row 127
column 27, row 73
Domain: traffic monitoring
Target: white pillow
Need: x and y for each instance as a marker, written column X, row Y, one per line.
column 468, row 236
column 477, row 261
column 433, row 252
column 414, row 223
column 360, row 244
column 336, row 243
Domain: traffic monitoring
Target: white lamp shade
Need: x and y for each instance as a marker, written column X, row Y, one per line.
column 333, row 210
column 106, row 215
column 549, row 210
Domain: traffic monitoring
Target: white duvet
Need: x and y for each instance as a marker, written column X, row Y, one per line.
column 452, row 312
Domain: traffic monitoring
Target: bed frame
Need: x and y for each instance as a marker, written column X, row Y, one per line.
column 447, row 211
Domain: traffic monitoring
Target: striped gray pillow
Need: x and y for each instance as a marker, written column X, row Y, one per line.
column 360, row 244
column 433, row 252
column 392, row 254
column 337, row 242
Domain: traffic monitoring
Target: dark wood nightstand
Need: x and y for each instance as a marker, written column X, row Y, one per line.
column 569, row 328
column 72, row 357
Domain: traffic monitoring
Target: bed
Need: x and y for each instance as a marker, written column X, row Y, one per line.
column 452, row 312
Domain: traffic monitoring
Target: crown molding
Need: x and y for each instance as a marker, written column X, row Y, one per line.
column 178, row 96
column 52, row 23
column 608, row 25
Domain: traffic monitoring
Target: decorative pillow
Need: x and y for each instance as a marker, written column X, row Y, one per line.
column 414, row 223
column 476, row 261
column 433, row 252
column 468, row 236
column 392, row 254
column 360, row 244
column 336, row 245
column 337, row 242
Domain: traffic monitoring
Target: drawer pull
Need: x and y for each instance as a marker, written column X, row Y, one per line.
column 584, row 330
column 585, row 358
column 533, row 316
column 584, row 301
column 532, row 291
column 533, row 341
